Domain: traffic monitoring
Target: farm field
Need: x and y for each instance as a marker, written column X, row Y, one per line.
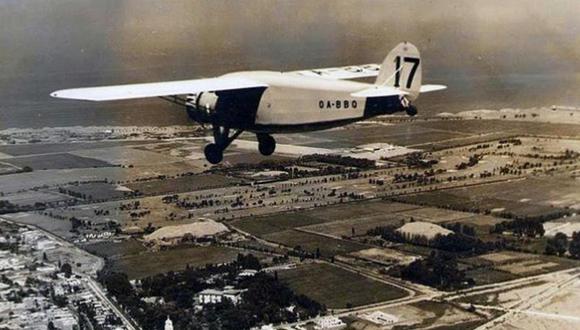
column 45, row 148
column 58, row 227
column 31, row 197
column 325, row 284
column 310, row 242
column 404, row 134
column 181, row 184
column 507, row 265
column 56, row 161
column 113, row 250
column 511, row 127
column 359, row 225
column 350, row 211
column 96, row 191
column 468, row 199
column 147, row 264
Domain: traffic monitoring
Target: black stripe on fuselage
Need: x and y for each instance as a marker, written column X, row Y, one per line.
column 383, row 105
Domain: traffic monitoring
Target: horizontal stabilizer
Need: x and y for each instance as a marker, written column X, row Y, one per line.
column 432, row 88
column 378, row 91
column 157, row 89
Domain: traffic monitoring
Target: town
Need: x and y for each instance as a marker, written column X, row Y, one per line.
column 462, row 220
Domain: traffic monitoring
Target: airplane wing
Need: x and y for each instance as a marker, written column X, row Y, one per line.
column 157, row 89
column 345, row 72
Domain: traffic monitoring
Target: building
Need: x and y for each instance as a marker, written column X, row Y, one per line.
column 196, row 230
column 423, row 229
column 329, row 323
column 168, row 324
column 248, row 273
column 214, row 296
column 380, row 318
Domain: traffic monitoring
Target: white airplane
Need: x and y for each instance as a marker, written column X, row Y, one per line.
column 268, row 102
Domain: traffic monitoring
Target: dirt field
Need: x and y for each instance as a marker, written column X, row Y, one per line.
column 326, row 284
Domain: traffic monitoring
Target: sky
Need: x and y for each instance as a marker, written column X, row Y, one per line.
column 491, row 53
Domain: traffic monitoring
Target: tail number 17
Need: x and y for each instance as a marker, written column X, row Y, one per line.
column 415, row 61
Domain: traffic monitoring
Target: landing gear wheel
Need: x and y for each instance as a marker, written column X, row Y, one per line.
column 266, row 144
column 213, row 153
column 411, row 110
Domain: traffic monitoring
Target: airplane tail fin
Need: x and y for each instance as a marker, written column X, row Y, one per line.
column 402, row 69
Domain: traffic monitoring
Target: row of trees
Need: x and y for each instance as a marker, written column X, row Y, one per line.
column 457, row 242
column 520, row 228
column 559, row 245
column 439, row 270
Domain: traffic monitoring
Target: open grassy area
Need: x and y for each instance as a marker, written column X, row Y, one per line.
column 360, row 225
column 148, row 264
column 56, row 161
column 401, row 134
column 336, row 287
column 311, row 242
column 350, row 211
column 115, row 249
column 43, row 148
column 182, row 184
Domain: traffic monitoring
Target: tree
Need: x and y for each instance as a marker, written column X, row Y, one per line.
column 557, row 245
column 66, row 269
column 574, row 247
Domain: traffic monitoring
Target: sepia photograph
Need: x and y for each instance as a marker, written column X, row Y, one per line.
column 289, row 164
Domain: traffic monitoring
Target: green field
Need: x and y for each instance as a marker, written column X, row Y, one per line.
column 360, row 225
column 336, row 287
column 182, row 184
column 56, row 161
column 116, row 249
column 147, row 264
column 350, row 211
column 311, row 242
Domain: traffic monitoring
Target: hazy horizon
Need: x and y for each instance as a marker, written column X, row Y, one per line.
column 492, row 55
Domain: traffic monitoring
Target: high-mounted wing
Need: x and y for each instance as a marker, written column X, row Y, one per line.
column 345, row 72
column 157, row 89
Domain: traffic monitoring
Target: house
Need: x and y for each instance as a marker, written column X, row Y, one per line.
column 248, row 273
column 214, row 296
column 329, row 323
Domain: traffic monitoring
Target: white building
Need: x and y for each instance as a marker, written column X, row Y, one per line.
column 213, row 296
column 329, row 323
column 248, row 273
column 168, row 324
column 380, row 318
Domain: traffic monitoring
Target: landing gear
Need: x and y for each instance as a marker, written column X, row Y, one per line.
column 411, row 110
column 214, row 152
column 266, row 144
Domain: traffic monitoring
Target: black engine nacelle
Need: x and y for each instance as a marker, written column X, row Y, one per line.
column 202, row 107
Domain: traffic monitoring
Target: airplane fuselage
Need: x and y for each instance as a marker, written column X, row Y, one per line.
column 293, row 103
